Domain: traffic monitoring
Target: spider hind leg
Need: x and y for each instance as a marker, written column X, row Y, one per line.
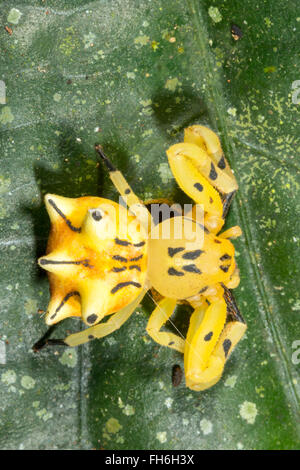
column 213, row 334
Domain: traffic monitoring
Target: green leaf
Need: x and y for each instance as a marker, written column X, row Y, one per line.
column 131, row 75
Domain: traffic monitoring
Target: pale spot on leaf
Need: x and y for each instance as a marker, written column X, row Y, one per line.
column 161, row 437
column 248, row 411
column 27, row 382
column 6, row 115
column 14, row 16
column 172, row 84
column 9, row 377
column 113, row 426
column 231, row 381
column 141, row 40
column 206, row 426
column 69, row 357
column 128, row 410
column 215, row 14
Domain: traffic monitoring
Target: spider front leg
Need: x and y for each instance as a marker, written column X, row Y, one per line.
column 208, row 140
column 210, row 341
column 134, row 204
column 201, row 170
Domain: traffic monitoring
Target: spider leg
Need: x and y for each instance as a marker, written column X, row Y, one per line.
column 213, row 333
column 202, row 368
column 227, row 200
column 133, row 202
column 195, row 322
column 158, row 318
column 183, row 160
column 45, row 341
column 232, row 232
column 103, row 329
column 201, row 170
column 232, row 308
column 208, row 140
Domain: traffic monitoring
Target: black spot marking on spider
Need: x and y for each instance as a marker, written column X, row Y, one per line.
column 222, row 163
column 96, row 215
column 139, row 244
column 173, row 251
column 64, row 300
column 192, row 254
column 171, row 343
column 213, row 174
column 176, row 375
column 203, row 290
column 91, row 336
column 63, row 216
column 121, row 285
column 137, row 258
column 174, row 272
column 226, row 346
column 208, row 336
column 84, row 262
column 135, row 266
column 122, row 242
column 224, row 268
column 118, row 270
column 224, row 257
column 217, row 241
column 191, row 268
column 198, row 186
column 120, row 258
column 127, row 191
column 92, row 318
column 211, row 200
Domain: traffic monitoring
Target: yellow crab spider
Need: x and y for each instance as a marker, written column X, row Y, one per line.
column 102, row 258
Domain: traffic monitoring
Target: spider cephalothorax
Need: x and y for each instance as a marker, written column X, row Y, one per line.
column 103, row 258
